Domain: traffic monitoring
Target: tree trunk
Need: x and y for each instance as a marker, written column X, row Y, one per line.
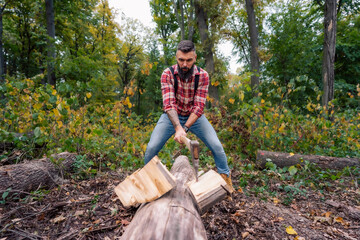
column 286, row 160
column 254, row 56
column 180, row 19
column 30, row 176
column 50, row 22
column 329, row 51
column 173, row 216
column 208, row 46
column 190, row 21
column 2, row 62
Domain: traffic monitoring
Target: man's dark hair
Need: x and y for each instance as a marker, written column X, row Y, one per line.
column 186, row 46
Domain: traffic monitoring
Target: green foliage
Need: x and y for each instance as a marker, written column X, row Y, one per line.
column 291, row 183
column 4, row 196
column 37, row 121
column 246, row 124
column 294, row 43
column 347, row 65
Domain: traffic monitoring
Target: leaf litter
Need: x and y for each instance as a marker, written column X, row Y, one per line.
column 89, row 209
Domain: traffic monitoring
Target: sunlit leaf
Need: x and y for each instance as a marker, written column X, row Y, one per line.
column 293, row 170
column 217, row 83
column 37, row 132
column 291, row 231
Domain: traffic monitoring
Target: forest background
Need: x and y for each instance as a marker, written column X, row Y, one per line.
column 72, row 79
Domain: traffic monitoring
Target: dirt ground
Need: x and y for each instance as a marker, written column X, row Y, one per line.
column 89, row 209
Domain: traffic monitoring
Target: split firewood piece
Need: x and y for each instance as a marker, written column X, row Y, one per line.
column 146, row 184
column 208, row 190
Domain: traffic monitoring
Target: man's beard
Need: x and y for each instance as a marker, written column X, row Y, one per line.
column 185, row 75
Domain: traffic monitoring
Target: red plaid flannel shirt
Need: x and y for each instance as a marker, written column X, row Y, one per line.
column 185, row 102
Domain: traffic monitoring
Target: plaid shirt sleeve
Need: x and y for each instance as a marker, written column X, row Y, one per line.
column 168, row 91
column 201, row 94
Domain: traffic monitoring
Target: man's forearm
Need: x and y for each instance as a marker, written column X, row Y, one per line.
column 191, row 120
column 174, row 118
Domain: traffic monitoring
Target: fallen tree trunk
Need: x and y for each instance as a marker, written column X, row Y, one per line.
column 173, row 216
column 287, row 159
column 29, row 176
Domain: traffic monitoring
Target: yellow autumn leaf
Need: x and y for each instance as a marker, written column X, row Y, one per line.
column 327, row 214
column 231, row 100
column 262, row 100
column 60, row 124
column 292, row 154
column 241, row 95
column 282, row 127
column 127, row 101
column 143, row 147
column 56, row 112
column 37, row 106
column 309, row 107
column 339, row 220
column 130, row 92
column 53, row 92
column 88, row 95
column 291, row 231
column 216, row 83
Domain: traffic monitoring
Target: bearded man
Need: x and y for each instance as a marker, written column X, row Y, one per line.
column 184, row 88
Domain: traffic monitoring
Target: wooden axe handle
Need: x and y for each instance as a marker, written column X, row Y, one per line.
column 186, row 141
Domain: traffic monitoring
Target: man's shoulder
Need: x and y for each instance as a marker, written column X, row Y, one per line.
column 168, row 69
column 201, row 71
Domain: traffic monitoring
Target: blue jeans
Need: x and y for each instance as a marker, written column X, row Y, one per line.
column 164, row 129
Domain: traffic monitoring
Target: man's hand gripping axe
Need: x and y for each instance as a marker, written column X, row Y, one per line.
column 193, row 147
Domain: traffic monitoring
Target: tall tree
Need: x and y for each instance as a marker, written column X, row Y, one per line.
column 2, row 65
column 254, row 42
column 180, row 18
column 329, row 51
column 211, row 17
column 185, row 14
column 332, row 9
column 208, row 44
column 191, row 16
column 51, row 53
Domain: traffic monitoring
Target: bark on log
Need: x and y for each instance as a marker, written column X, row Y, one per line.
column 286, row 159
column 29, row 176
column 173, row 216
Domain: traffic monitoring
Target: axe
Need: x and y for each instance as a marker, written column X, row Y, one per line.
column 193, row 147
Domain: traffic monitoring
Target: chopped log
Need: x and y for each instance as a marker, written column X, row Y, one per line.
column 287, row 159
column 146, row 184
column 173, row 216
column 29, row 176
column 210, row 189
